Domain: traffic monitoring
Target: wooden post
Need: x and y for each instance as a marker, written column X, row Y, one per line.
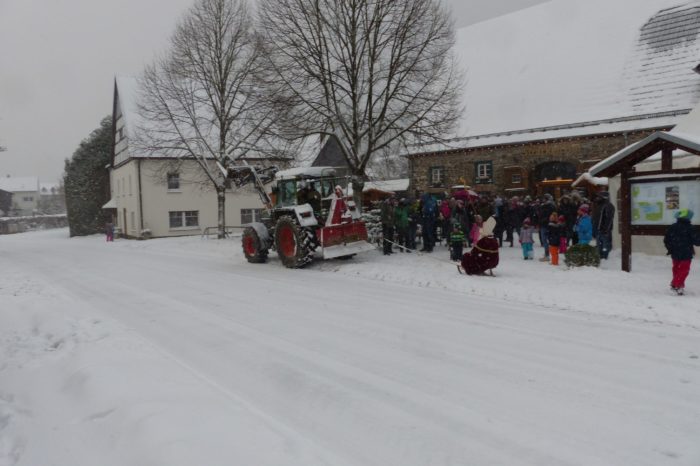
column 625, row 209
column 667, row 158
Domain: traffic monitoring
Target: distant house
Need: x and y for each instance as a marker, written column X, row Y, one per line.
column 25, row 194
column 52, row 200
column 163, row 196
column 5, row 203
column 555, row 88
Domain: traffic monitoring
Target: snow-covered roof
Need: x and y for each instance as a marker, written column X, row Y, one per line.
column 648, row 122
column 127, row 92
column 306, row 172
column 19, row 184
column 689, row 141
column 390, row 186
column 569, row 61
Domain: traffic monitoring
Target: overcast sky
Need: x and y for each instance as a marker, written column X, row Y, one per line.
column 58, row 59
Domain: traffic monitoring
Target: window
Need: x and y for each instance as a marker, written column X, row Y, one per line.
column 436, row 176
column 516, row 178
column 184, row 219
column 130, row 192
column 173, row 181
column 250, row 215
column 28, row 199
column 484, row 172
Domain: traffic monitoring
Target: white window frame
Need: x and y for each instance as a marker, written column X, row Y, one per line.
column 483, row 170
column 185, row 217
column 254, row 214
column 437, row 176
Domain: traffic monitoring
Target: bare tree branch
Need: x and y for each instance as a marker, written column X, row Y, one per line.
column 201, row 99
column 374, row 74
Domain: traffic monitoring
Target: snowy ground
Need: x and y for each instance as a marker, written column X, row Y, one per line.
column 177, row 352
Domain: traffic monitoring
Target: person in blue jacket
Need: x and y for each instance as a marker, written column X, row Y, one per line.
column 584, row 226
column 679, row 241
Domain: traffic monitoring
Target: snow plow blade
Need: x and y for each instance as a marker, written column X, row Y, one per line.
column 344, row 240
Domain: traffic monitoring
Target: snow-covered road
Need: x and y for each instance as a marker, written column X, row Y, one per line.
column 177, row 352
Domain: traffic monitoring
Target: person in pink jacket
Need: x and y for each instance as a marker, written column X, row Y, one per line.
column 475, row 232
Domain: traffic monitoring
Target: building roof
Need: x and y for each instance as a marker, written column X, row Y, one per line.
column 569, row 61
column 19, row 184
column 688, row 142
column 127, row 88
column 587, row 128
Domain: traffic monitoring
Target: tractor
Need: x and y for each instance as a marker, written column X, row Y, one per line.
column 307, row 212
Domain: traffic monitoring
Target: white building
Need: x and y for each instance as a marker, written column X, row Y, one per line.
column 25, row 194
column 162, row 196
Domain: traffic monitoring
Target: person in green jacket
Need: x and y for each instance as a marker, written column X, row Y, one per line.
column 457, row 240
column 401, row 223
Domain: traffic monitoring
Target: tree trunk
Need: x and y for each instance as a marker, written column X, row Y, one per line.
column 358, row 184
column 221, row 201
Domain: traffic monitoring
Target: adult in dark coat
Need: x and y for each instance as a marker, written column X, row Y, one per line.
column 569, row 210
column 428, row 218
column 545, row 211
column 388, row 213
column 603, row 218
column 679, row 241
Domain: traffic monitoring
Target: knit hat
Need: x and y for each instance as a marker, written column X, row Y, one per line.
column 684, row 213
column 584, row 208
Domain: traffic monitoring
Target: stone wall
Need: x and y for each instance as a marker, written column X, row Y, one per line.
column 460, row 166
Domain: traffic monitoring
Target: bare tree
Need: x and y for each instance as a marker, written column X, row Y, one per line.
column 200, row 100
column 375, row 74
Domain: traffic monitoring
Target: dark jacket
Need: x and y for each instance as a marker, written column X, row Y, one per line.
column 555, row 232
column 603, row 216
column 545, row 211
column 388, row 213
column 680, row 238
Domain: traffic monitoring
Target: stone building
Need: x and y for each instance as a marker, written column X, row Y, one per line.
column 546, row 98
column 519, row 163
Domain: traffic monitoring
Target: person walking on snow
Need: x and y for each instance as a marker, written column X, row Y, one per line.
column 679, row 241
column 109, row 231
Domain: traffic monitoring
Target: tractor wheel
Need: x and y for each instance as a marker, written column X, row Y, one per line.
column 253, row 248
column 294, row 244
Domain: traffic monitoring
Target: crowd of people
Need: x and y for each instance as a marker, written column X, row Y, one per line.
column 457, row 221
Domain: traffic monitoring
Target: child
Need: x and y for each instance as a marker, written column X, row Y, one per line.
column 554, row 234
column 564, row 237
column 526, row 239
column 679, row 241
column 456, row 243
column 475, row 232
column 584, row 227
column 109, row 231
